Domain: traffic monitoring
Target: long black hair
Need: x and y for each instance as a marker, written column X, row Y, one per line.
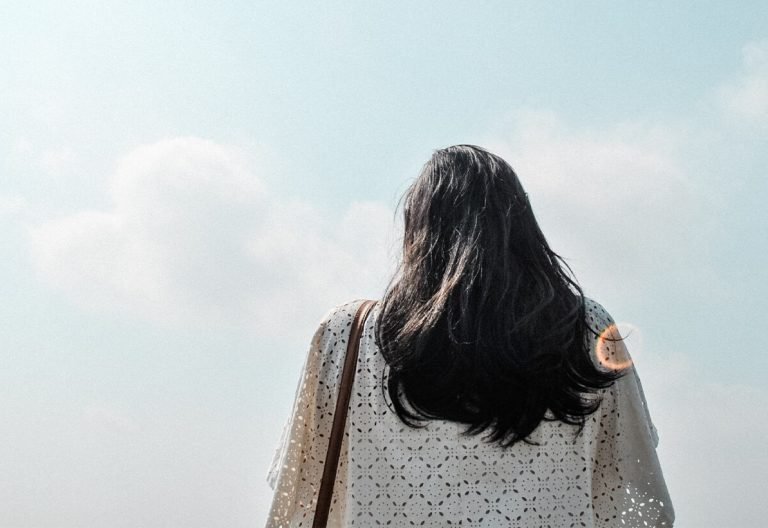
column 483, row 324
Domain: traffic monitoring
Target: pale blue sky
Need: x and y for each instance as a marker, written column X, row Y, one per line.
column 186, row 190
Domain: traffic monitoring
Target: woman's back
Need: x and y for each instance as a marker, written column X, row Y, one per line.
column 489, row 391
column 394, row 475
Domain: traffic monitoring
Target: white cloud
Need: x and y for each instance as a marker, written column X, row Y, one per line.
column 195, row 236
column 105, row 416
column 23, row 147
column 58, row 160
column 12, row 204
column 747, row 97
column 614, row 201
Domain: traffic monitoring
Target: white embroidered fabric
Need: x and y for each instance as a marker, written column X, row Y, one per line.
column 393, row 475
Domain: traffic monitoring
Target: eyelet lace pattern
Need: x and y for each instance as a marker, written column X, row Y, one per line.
column 393, row 475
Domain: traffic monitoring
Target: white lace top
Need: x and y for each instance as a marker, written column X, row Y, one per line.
column 393, row 475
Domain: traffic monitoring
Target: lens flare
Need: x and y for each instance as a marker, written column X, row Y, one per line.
column 611, row 351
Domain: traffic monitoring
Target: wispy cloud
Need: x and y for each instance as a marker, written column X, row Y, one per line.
column 58, row 160
column 107, row 417
column 12, row 204
column 615, row 200
column 194, row 235
column 746, row 98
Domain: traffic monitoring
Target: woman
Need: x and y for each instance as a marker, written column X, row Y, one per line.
column 489, row 391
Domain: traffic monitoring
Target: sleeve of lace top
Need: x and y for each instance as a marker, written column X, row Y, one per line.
column 297, row 465
column 628, row 487
column 295, row 427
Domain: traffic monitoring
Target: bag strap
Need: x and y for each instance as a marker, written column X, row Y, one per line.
column 340, row 416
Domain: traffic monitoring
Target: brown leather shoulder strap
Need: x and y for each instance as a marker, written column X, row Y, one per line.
column 340, row 416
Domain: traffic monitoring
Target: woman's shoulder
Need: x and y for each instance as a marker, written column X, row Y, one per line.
column 337, row 321
column 342, row 313
column 597, row 317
